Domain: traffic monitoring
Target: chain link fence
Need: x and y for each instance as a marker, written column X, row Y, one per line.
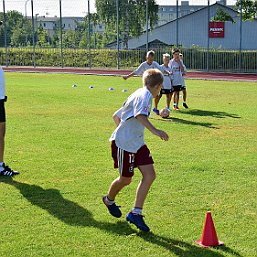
column 64, row 33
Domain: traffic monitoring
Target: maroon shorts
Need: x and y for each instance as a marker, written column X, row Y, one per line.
column 126, row 161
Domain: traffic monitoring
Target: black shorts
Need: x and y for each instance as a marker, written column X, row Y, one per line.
column 183, row 87
column 177, row 88
column 166, row 91
column 2, row 111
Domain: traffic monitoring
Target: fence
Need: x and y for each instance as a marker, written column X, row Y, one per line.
column 64, row 33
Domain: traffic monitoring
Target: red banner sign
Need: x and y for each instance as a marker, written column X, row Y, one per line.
column 216, row 29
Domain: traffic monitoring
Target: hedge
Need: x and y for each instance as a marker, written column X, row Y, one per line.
column 196, row 59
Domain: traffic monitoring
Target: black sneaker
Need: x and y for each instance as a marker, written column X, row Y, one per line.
column 8, row 172
column 185, row 105
column 113, row 208
column 137, row 220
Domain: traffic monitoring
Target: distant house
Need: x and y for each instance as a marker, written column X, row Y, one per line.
column 167, row 13
column 193, row 29
column 69, row 23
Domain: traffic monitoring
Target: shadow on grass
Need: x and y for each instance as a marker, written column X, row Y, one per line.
column 184, row 249
column 188, row 122
column 220, row 115
column 73, row 214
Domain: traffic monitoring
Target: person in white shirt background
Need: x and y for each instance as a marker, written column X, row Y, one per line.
column 167, row 88
column 148, row 64
column 4, row 169
column 183, row 88
column 177, row 68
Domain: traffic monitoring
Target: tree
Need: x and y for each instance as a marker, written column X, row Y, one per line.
column 42, row 37
column 249, row 9
column 18, row 29
column 132, row 15
column 221, row 15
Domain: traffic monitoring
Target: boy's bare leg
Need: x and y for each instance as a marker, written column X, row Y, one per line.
column 149, row 175
column 2, row 135
column 176, row 97
column 168, row 100
column 184, row 95
column 117, row 186
column 156, row 101
column 185, row 98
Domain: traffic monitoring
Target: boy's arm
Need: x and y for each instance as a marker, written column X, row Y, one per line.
column 116, row 119
column 117, row 116
column 181, row 66
column 138, row 71
column 143, row 119
column 129, row 75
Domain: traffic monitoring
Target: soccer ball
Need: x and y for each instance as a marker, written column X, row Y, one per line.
column 164, row 113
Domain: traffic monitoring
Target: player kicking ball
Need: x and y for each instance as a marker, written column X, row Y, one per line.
column 129, row 150
column 4, row 169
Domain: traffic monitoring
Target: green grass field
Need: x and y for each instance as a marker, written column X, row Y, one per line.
column 57, row 137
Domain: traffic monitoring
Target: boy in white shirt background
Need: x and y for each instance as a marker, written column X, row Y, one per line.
column 177, row 68
column 4, row 169
column 167, row 88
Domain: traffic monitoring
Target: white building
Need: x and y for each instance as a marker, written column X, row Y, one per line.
column 193, row 29
column 69, row 23
column 167, row 13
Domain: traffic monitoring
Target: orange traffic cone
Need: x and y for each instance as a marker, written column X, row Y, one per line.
column 209, row 236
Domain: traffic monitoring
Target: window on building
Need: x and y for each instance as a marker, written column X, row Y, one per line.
column 44, row 25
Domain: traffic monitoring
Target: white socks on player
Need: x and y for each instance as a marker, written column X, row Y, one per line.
column 108, row 201
column 137, row 211
column 1, row 166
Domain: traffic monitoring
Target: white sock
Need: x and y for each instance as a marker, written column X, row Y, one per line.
column 108, row 201
column 137, row 211
column 184, row 102
column 1, row 166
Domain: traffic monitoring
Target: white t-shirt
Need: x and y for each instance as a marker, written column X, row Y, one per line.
column 2, row 84
column 145, row 66
column 184, row 73
column 166, row 78
column 129, row 135
column 176, row 71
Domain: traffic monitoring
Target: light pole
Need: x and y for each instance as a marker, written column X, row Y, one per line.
column 26, row 2
column 88, row 43
column 33, row 33
column 118, row 32
column 146, row 15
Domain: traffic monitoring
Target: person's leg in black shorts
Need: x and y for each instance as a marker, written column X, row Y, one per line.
column 4, row 170
column 184, row 91
column 176, row 88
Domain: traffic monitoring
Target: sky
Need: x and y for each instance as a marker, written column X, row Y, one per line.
column 73, row 7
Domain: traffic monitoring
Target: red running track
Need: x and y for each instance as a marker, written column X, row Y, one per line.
column 112, row 72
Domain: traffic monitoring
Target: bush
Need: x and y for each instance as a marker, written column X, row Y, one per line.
column 194, row 58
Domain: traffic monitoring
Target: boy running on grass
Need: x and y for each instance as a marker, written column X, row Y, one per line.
column 4, row 170
column 177, row 68
column 167, row 87
column 129, row 150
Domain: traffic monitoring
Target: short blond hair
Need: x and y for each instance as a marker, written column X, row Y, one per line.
column 166, row 55
column 152, row 77
column 151, row 52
